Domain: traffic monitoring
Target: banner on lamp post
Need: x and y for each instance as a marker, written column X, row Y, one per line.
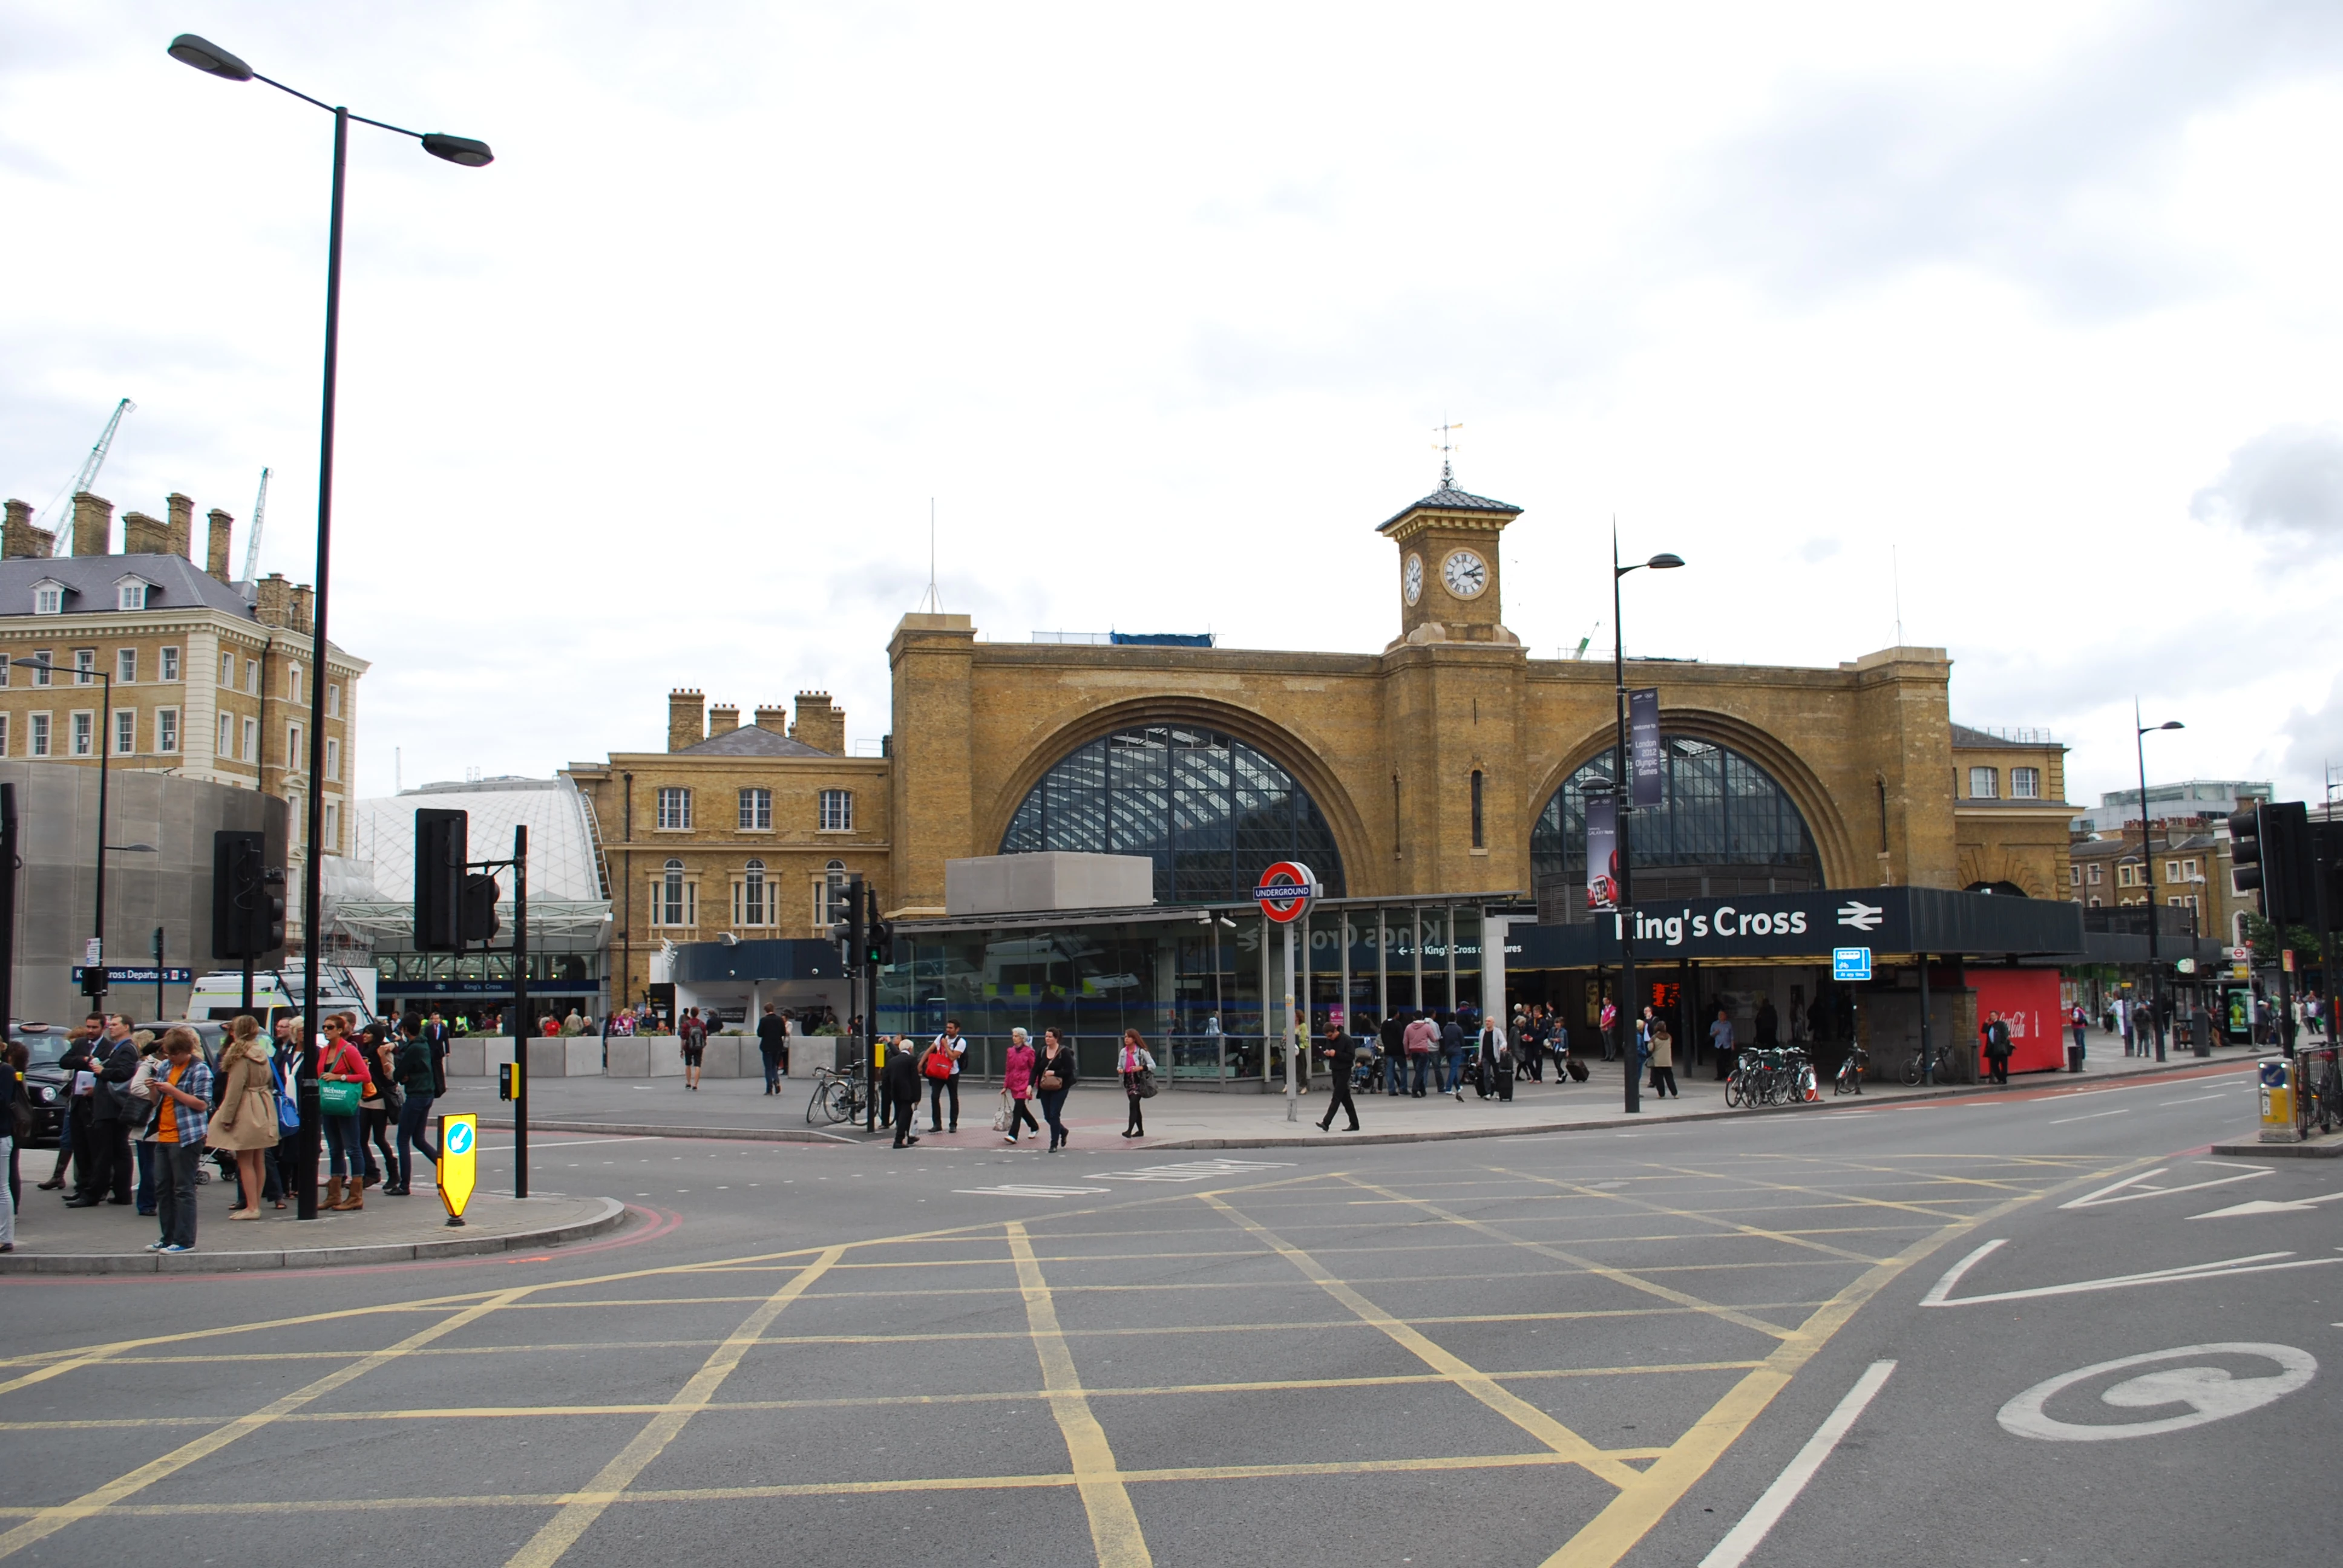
column 1643, row 748
column 1602, row 852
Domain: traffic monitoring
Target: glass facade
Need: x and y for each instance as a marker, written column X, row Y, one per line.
column 1212, row 812
column 1726, row 829
column 1192, row 984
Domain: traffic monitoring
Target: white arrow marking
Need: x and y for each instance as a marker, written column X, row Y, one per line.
column 1862, row 917
column 2257, row 1263
column 2273, row 1206
column 2100, row 1198
column 1944, row 1287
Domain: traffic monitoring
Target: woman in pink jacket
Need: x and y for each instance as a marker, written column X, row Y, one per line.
column 1017, row 1082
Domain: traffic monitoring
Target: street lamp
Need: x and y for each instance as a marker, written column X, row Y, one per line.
column 210, row 58
column 1623, row 800
column 2147, row 870
column 93, row 974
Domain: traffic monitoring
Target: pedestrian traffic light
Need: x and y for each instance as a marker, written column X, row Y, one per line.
column 441, row 849
column 247, row 895
column 2270, row 854
column 877, row 935
column 850, row 931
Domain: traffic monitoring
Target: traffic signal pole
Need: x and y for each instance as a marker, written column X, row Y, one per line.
column 520, row 1010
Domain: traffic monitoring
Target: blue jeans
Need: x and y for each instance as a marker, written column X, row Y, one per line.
column 176, row 1189
column 1421, row 1062
column 343, row 1154
column 1395, row 1075
column 1451, row 1070
column 414, row 1116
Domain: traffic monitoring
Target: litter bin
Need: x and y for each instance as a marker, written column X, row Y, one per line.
column 2277, row 1103
column 2074, row 1059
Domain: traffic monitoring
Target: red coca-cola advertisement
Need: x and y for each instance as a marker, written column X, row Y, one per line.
column 2028, row 1000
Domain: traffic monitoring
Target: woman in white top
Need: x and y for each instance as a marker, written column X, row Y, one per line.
column 1138, row 1069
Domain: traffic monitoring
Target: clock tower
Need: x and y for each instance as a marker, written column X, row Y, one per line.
column 1448, row 567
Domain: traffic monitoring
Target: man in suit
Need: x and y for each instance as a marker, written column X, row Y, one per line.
column 1340, row 1052
column 102, row 1139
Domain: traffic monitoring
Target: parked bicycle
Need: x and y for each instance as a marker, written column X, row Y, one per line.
column 1772, row 1078
column 1849, row 1080
column 838, row 1096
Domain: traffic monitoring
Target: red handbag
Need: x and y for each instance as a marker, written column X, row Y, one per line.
column 939, row 1064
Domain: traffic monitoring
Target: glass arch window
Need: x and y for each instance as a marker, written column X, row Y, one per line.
column 834, row 893
column 1727, row 829
column 671, row 894
column 754, row 909
column 1210, row 811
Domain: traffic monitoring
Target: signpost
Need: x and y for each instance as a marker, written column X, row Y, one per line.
column 460, row 1163
column 1284, row 894
column 1849, row 964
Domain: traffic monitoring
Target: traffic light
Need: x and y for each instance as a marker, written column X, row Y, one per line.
column 441, row 849
column 2270, row 854
column 848, row 930
column 476, row 921
column 877, row 937
column 247, row 895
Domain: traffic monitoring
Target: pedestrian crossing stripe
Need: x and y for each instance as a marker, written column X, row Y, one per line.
column 1189, row 1171
column 1025, row 1189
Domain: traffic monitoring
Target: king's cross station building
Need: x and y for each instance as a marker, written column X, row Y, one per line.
column 1436, row 789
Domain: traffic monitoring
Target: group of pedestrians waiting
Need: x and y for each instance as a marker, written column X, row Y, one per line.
column 143, row 1111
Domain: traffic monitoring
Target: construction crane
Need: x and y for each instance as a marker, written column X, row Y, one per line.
column 82, row 480
column 252, row 540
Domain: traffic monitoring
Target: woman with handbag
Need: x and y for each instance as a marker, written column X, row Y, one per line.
column 1058, row 1078
column 1017, row 1085
column 378, row 1104
column 1138, row 1069
column 342, row 1084
column 245, row 1125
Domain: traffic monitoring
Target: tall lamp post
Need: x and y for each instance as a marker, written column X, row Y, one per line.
column 2140, row 733
column 1624, row 797
column 209, row 57
column 93, row 974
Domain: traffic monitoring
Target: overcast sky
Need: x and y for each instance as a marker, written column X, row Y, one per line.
column 2028, row 309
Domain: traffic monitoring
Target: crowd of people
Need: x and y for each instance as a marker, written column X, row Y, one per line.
column 144, row 1110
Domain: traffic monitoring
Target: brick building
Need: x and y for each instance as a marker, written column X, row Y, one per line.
column 211, row 677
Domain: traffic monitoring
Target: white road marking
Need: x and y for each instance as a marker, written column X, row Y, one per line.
column 1952, row 1276
column 571, row 1143
column 1192, row 1171
column 2094, row 1116
column 2211, row 1392
column 2255, row 1263
column 1767, row 1511
column 2273, row 1206
column 2100, row 1198
column 2192, row 1099
column 1021, row 1190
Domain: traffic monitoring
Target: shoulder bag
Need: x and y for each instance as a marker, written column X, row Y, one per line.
column 1000, row 1116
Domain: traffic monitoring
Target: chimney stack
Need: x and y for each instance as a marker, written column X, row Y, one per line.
column 182, row 511
column 305, row 604
column 685, row 710
column 722, row 719
column 92, row 524
column 273, row 605
column 215, row 559
column 776, row 719
column 23, row 541
column 142, row 534
column 820, row 725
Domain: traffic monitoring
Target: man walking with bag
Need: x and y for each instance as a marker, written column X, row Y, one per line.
column 1340, row 1052
column 1997, row 1049
column 943, row 1076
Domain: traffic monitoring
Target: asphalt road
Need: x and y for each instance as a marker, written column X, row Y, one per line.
column 1583, row 1349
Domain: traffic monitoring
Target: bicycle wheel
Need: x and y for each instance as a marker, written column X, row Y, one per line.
column 837, row 1101
column 1912, row 1072
column 1734, row 1094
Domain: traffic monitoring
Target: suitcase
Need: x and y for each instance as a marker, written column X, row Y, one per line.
column 1577, row 1071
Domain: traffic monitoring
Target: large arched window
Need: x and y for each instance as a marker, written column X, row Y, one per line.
column 833, row 894
column 751, row 903
column 1212, row 812
column 671, row 894
column 1727, row 829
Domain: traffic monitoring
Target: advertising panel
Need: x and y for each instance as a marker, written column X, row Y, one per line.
column 1643, row 765
column 1602, row 852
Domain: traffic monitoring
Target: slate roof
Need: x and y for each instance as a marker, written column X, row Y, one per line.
column 1449, row 498
column 749, row 740
column 178, row 584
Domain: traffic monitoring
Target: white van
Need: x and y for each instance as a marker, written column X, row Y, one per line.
column 276, row 993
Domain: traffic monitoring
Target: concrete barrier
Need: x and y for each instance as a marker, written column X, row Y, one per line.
column 667, row 1056
column 630, row 1056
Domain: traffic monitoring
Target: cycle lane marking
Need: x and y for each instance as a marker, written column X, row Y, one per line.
column 1767, row 1511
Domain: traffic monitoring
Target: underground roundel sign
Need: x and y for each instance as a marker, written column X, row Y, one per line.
column 1285, row 890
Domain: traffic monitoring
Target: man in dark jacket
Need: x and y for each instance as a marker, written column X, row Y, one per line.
column 1340, row 1052
column 1451, row 1053
column 900, row 1080
column 1393, row 1037
column 1997, row 1049
column 773, row 1045
column 102, row 1137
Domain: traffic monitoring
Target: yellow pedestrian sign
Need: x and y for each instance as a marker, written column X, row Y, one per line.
column 459, row 1163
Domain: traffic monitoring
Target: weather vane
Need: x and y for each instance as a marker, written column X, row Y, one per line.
column 1447, row 448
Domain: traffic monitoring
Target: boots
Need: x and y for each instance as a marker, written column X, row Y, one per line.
column 333, row 1197
column 353, row 1195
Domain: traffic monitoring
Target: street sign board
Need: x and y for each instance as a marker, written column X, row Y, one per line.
column 1285, row 890
column 459, row 1163
column 1850, row 963
column 140, row 974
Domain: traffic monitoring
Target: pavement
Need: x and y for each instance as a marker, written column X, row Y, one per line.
column 52, row 1239
column 2037, row 1326
column 1201, row 1118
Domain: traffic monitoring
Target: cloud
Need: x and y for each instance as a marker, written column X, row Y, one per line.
column 2287, row 480
column 2315, row 737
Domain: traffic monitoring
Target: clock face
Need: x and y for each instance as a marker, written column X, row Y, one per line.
column 1412, row 579
column 1465, row 574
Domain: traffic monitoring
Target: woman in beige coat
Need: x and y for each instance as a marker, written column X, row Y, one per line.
column 1664, row 1060
column 245, row 1123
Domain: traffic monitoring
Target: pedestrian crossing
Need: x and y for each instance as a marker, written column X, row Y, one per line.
column 1186, row 1171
